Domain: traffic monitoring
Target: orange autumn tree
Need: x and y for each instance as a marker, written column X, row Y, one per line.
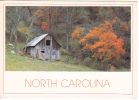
column 76, row 33
column 107, row 45
column 45, row 26
column 42, row 19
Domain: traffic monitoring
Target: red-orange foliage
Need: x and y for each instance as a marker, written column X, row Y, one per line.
column 45, row 26
column 107, row 46
column 76, row 32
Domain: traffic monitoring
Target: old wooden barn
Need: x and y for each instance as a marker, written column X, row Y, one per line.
column 44, row 46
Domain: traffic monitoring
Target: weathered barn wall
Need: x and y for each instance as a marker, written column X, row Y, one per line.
column 40, row 49
column 47, row 48
column 56, row 50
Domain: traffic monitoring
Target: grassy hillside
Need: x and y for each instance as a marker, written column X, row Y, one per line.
column 16, row 62
column 22, row 63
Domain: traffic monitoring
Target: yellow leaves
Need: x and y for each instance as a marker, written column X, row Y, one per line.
column 23, row 30
column 76, row 32
column 38, row 12
column 112, row 68
column 30, row 35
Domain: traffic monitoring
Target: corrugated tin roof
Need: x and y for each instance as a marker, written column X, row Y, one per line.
column 36, row 40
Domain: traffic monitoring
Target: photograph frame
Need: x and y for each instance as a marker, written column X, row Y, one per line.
column 131, row 74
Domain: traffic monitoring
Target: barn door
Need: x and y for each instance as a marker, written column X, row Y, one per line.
column 53, row 53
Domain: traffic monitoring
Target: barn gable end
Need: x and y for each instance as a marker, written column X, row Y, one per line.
column 45, row 47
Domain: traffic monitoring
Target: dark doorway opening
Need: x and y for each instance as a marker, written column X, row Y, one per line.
column 42, row 51
column 48, row 42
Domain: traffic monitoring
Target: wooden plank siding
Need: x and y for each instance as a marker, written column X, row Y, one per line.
column 47, row 49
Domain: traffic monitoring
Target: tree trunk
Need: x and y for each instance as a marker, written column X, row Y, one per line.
column 62, row 18
column 11, row 34
column 17, row 14
column 69, row 25
column 67, row 45
column 15, row 41
column 27, row 38
column 50, row 19
column 81, row 45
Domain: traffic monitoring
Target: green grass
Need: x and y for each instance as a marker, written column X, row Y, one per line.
column 23, row 63
column 122, row 69
column 16, row 62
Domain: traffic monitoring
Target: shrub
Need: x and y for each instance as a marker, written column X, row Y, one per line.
column 87, row 61
column 103, row 66
column 95, row 64
column 99, row 65
column 120, row 63
column 64, row 51
column 127, row 56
